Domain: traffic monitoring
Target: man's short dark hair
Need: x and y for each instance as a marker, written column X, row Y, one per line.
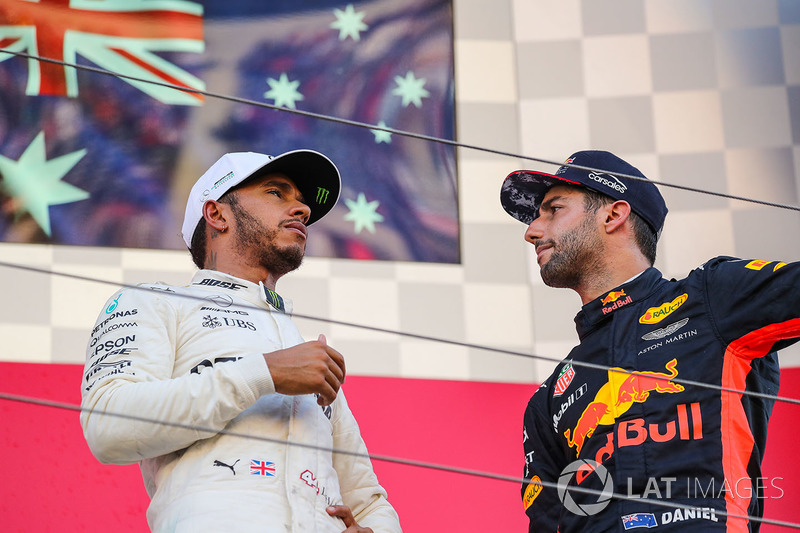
column 646, row 238
column 198, row 249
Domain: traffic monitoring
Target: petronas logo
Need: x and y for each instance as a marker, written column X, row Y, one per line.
column 322, row 195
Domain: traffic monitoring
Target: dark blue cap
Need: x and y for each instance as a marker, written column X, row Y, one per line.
column 523, row 190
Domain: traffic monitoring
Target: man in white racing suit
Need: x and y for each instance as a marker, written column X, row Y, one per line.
column 232, row 417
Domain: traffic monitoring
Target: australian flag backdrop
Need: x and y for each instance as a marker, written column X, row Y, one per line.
column 95, row 160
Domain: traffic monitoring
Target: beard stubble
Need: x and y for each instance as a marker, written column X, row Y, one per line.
column 574, row 257
column 256, row 241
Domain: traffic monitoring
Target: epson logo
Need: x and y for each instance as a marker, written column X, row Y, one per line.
column 609, row 181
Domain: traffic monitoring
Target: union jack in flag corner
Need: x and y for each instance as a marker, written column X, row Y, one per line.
column 92, row 159
column 637, row 520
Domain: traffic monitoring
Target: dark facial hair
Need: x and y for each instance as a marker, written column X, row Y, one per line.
column 253, row 239
column 574, row 256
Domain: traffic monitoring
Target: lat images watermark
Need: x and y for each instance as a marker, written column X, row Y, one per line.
column 586, row 495
column 742, row 488
column 578, row 471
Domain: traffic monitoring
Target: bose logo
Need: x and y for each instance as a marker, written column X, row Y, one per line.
column 603, row 179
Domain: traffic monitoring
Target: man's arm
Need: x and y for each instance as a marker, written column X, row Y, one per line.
column 129, row 373
column 542, row 463
column 359, row 485
column 755, row 305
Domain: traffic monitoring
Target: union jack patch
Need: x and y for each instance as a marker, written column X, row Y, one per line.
column 262, row 468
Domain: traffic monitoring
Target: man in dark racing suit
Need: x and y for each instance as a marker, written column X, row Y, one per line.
column 655, row 436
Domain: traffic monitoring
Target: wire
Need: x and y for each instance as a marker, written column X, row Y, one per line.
column 371, row 456
column 421, row 337
column 384, row 330
column 401, row 133
column 426, row 138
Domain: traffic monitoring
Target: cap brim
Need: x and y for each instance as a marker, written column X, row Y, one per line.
column 315, row 176
column 523, row 190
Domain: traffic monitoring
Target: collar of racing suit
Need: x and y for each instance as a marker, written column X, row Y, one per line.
column 230, row 286
column 602, row 308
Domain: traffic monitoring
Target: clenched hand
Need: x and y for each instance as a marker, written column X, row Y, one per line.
column 309, row 368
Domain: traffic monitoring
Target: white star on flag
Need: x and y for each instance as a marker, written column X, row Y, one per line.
column 36, row 182
column 382, row 136
column 349, row 23
column 411, row 89
column 283, row 91
column 364, row 214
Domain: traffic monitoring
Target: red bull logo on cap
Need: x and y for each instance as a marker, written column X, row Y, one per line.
column 563, row 169
column 622, row 390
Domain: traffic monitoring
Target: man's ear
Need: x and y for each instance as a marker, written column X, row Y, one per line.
column 214, row 215
column 616, row 215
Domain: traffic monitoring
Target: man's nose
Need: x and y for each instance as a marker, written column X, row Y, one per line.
column 301, row 211
column 534, row 231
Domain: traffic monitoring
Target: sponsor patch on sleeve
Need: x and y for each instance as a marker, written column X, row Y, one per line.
column 532, row 492
column 758, row 264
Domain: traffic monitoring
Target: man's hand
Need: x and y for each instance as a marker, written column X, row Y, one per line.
column 344, row 512
column 309, row 368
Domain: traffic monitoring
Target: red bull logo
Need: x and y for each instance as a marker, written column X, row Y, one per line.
column 563, row 169
column 615, row 398
column 592, row 416
column 686, row 425
column 637, row 387
column 657, row 314
column 613, row 296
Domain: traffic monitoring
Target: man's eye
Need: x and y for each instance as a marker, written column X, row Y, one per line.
column 276, row 192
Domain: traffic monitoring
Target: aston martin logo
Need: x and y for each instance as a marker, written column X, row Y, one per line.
column 665, row 331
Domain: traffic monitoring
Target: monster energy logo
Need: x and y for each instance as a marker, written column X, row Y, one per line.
column 322, row 195
column 274, row 299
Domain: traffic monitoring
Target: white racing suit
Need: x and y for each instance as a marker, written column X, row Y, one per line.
column 193, row 356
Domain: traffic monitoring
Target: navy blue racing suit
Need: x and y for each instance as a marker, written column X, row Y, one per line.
column 654, row 436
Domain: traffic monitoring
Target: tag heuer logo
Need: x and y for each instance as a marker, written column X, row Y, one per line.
column 564, row 379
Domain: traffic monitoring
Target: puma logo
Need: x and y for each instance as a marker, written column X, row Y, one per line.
column 220, row 463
